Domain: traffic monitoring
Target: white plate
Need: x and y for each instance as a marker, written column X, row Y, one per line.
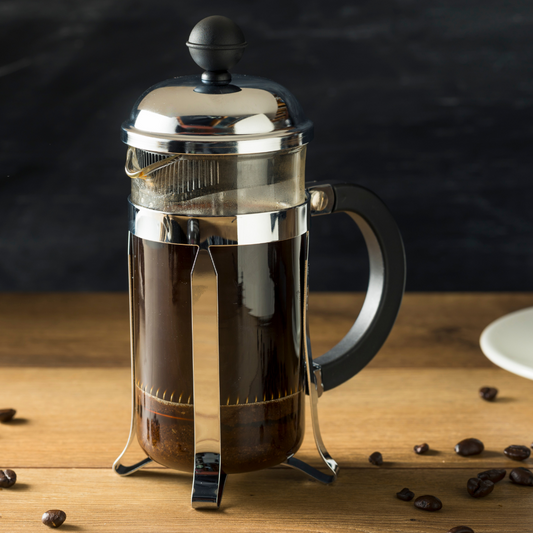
column 508, row 342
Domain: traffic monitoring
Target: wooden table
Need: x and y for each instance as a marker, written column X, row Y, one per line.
column 64, row 365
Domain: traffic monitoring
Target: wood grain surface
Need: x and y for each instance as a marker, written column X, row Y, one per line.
column 275, row 500
column 92, row 329
column 71, row 389
column 81, row 417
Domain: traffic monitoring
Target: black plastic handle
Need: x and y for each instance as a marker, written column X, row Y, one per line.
column 386, row 283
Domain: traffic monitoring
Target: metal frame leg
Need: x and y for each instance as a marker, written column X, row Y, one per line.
column 315, row 390
column 208, row 479
column 118, row 467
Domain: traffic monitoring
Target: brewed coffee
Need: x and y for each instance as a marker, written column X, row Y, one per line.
column 260, row 290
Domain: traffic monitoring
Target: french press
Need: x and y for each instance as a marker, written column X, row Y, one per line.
column 218, row 273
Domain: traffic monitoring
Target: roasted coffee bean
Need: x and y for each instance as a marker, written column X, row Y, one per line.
column 522, row 476
column 494, row 475
column 376, row 459
column 54, row 518
column 421, row 448
column 428, row 503
column 405, row 495
column 7, row 414
column 461, row 529
column 479, row 488
column 7, row 478
column 469, row 447
column 488, row 393
column 517, row 453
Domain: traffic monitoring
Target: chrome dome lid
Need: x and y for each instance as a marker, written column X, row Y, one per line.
column 172, row 117
column 209, row 115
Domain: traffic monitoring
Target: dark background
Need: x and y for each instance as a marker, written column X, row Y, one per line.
column 428, row 103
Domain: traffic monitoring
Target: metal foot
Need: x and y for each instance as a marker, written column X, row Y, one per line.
column 310, row 471
column 208, row 481
column 122, row 470
column 314, row 381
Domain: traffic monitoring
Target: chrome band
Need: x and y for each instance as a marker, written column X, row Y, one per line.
column 227, row 144
column 254, row 228
column 208, row 480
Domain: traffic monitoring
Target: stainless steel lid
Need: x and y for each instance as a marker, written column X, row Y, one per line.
column 217, row 113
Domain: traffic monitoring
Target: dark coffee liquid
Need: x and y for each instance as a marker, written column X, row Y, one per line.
column 260, row 296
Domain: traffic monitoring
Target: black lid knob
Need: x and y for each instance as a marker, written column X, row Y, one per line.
column 216, row 44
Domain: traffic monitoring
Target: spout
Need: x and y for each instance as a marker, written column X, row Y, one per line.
column 134, row 171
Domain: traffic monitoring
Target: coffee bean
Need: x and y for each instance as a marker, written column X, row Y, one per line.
column 428, row 503
column 522, row 476
column 376, row 459
column 54, row 518
column 469, row 447
column 7, row 478
column 405, row 495
column 517, row 453
column 494, row 475
column 461, row 529
column 7, row 414
column 488, row 393
column 421, row 448
column 479, row 488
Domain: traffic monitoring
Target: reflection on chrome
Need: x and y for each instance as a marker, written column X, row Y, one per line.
column 261, row 117
column 208, row 478
column 255, row 228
